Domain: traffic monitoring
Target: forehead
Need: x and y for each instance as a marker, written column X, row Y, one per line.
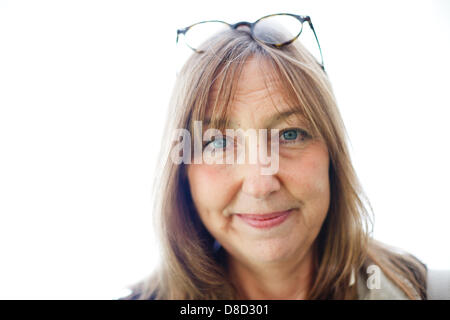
column 257, row 95
column 257, row 80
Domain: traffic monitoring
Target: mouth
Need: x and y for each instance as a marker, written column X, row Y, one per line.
column 266, row 220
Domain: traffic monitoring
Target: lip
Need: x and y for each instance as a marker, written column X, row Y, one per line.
column 266, row 220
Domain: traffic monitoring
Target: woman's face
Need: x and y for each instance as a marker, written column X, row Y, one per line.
column 224, row 194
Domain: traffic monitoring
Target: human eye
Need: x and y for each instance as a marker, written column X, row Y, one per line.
column 218, row 143
column 293, row 135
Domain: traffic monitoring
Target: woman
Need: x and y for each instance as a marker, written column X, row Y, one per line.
column 302, row 232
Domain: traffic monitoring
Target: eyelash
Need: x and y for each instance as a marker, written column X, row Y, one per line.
column 303, row 134
column 208, row 142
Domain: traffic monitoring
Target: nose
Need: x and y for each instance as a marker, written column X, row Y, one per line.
column 259, row 185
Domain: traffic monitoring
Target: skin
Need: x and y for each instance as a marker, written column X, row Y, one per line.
column 274, row 263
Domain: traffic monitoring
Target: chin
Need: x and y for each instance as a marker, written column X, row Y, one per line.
column 269, row 251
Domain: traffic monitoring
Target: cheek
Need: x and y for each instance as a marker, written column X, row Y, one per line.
column 317, row 179
column 306, row 177
column 209, row 186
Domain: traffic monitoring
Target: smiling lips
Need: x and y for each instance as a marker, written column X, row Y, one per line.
column 265, row 220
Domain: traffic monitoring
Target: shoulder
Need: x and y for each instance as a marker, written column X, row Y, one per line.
column 438, row 284
column 145, row 289
column 133, row 295
column 139, row 292
column 377, row 286
column 391, row 273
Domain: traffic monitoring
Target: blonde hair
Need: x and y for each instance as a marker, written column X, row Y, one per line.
column 190, row 268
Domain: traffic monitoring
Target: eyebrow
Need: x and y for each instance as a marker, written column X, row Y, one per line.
column 272, row 120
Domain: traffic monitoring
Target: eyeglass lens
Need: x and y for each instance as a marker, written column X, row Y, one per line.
column 274, row 29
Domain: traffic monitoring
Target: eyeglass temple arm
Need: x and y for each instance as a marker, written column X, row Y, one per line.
column 315, row 35
column 182, row 31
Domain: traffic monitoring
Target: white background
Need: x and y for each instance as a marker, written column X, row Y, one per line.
column 84, row 86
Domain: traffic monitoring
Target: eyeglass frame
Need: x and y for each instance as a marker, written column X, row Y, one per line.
column 251, row 25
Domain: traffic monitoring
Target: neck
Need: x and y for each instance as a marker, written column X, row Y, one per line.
column 274, row 281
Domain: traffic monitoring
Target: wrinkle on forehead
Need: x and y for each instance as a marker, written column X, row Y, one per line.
column 222, row 104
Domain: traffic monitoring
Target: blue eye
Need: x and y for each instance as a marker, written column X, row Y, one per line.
column 217, row 143
column 290, row 134
column 220, row 143
column 293, row 135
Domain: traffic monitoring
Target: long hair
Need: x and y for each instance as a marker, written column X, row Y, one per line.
column 189, row 266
